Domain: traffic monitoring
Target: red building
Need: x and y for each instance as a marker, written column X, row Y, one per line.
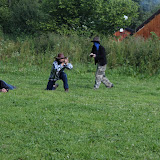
column 152, row 24
column 123, row 33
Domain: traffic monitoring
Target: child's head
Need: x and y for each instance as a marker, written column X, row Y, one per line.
column 60, row 57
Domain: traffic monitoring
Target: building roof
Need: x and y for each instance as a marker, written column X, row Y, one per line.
column 130, row 30
column 148, row 20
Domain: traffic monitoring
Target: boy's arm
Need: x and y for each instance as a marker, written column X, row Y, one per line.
column 68, row 65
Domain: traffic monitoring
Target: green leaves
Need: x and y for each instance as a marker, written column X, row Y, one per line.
column 98, row 15
column 82, row 16
column 113, row 15
column 5, row 15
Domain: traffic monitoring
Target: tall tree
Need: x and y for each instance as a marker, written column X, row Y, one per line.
column 5, row 15
column 25, row 15
column 70, row 14
column 66, row 15
column 111, row 16
column 99, row 15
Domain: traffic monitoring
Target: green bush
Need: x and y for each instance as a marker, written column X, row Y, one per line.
column 131, row 56
column 143, row 56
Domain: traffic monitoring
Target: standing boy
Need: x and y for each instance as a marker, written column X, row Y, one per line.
column 99, row 55
column 57, row 72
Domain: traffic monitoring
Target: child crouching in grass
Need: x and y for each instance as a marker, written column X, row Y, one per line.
column 57, row 72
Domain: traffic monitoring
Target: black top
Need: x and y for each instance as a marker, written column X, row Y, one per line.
column 3, row 85
column 100, row 55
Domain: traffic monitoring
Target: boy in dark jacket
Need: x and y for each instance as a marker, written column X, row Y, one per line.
column 99, row 54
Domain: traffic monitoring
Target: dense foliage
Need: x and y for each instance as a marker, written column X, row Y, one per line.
column 68, row 26
column 131, row 56
column 68, row 16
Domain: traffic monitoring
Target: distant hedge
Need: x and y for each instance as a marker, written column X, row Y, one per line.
column 132, row 54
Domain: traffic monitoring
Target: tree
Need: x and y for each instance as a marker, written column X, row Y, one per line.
column 5, row 15
column 26, row 15
column 61, row 16
column 111, row 17
column 69, row 14
column 99, row 15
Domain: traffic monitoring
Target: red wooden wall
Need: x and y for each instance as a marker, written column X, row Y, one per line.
column 152, row 26
column 121, row 35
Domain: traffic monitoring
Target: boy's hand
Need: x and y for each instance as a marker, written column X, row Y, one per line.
column 62, row 64
column 66, row 61
column 92, row 55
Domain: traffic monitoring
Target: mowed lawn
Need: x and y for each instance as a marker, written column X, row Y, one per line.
column 84, row 124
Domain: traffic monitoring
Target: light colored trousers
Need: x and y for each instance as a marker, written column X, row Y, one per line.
column 100, row 77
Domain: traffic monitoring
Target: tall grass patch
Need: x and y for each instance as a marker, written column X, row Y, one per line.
column 135, row 54
column 131, row 56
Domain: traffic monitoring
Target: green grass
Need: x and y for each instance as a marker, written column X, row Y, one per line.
column 84, row 124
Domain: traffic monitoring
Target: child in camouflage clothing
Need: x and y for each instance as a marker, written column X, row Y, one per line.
column 99, row 55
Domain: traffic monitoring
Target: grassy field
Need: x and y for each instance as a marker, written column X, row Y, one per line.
column 84, row 124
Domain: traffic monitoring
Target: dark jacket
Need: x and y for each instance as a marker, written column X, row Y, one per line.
column 100, row 55
column 3, row 84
